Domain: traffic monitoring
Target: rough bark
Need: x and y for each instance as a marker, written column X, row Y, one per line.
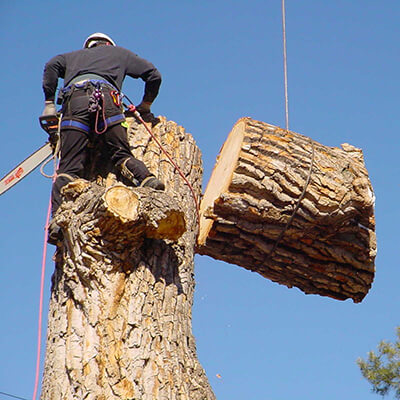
column 329, row 246
column 119, row 323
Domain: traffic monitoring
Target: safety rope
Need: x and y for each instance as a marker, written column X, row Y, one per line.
column 103, row 114
column 44, row 253
column 43, row 270
column 285, row 65
column 55, row 154
column 51, row 158
column 132, row 109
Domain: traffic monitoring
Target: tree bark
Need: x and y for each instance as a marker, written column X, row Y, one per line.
column 250, row 218
column 119, row 324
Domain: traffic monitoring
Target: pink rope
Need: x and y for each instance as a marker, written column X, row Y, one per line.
column 132, row 108
column 39, row 334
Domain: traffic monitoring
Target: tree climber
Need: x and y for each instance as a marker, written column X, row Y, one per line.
column 91, row 104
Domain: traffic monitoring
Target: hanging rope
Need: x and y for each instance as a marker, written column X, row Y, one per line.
column 55, row 154
column 39, row 335
column 285, row 65
column 308, row 179
column 43, row 270
column 132, row 109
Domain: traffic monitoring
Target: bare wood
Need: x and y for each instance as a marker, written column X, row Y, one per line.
column 160, row 214
column 120, row 310
column 330, row 246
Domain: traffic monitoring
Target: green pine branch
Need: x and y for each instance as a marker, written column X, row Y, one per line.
column 382, row 369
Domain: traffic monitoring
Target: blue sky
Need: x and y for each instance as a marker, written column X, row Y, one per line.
column 222, row 60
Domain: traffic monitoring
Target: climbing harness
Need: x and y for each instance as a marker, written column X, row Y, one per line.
column 52, row 125
column 82, row 82
column 131, row 108
column 96, row 105
column 66, row 123
column 97, row 86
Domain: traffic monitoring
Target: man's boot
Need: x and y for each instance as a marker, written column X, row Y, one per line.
column 141, row 170
column 127, row 173
column 55, row 234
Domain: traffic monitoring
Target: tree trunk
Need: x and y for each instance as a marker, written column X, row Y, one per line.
column 119, row 323
column 293, row 210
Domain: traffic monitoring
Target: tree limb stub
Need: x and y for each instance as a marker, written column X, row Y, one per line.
column 328, row 248
column 147, row 212
column 162, row 216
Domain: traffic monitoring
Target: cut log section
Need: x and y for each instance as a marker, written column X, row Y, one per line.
column 293, row 210
column 162, row 217
column 125, row 214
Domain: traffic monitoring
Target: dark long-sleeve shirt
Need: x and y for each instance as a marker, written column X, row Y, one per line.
column 113, row 63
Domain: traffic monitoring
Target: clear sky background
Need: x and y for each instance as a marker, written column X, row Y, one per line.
column 221, row 60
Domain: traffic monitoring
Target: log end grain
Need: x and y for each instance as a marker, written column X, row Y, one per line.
column 122, row 202
column 171, row 227
column 221, row 177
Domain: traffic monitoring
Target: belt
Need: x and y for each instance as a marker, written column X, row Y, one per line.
column 85, row 77
column 82, row 80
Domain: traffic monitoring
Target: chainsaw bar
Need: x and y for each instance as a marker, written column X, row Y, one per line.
column 25, row 168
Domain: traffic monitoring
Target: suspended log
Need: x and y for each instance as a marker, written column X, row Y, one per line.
column 293, row 210
column 119, row 324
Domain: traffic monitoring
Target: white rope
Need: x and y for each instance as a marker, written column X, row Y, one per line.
column 54, row 155
column 285, row 65
column 50, row 158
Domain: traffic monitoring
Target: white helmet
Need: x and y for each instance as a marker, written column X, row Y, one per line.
column 94, row 38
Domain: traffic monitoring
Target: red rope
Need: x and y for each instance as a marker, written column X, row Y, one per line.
column 132, row 108
column 39, row 334
column 46, row 231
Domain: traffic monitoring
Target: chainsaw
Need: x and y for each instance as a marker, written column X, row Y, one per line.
column 50, row 125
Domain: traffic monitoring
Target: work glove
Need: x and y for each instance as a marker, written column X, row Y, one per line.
column 144, row 108
column 49, row 108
